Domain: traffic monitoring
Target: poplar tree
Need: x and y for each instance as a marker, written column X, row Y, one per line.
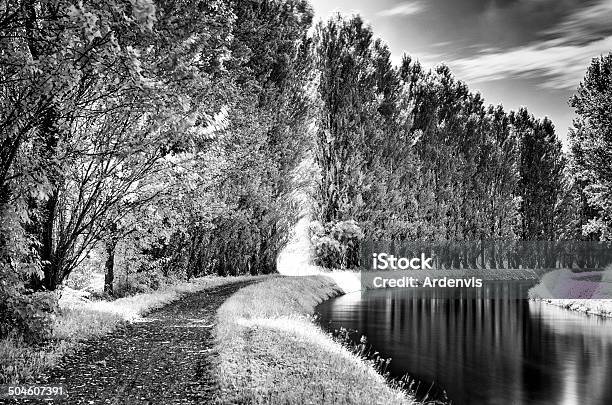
column 348, row 109
column 591, row 150
column 541, row 175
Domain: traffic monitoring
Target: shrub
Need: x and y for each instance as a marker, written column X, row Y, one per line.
column 138, row 283
column 23, row 315
column 336, row 244
column 28, row 316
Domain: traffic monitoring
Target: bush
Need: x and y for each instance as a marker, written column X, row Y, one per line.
column 336, row 244
column 138, row 283
column 24, row 315
column 27, row 316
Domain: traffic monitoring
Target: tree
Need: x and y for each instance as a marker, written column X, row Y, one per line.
column 134, row 115
column 53, row 55
column 343, row 59
column 591, row 149
column 541, row 175
column 236, row 215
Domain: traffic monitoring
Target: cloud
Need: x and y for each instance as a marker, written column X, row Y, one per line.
column 558, row 66
column 403, row 9
column 559, row 61
column 585, row 25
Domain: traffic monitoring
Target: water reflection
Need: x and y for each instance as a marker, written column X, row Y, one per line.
column 484, row 350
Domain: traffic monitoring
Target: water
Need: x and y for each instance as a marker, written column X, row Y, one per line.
column 481, row 350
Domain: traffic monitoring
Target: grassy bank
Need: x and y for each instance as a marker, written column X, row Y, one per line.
column 270, row 351
column 588, row 292
column 80, row 319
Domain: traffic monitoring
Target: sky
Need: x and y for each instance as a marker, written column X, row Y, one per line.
column 530, row 53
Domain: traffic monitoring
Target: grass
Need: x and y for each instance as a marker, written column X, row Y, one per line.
column 270, row 350
column 589, row 292
column 80, row 319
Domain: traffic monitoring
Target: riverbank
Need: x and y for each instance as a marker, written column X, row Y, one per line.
column 80, row 319
column 270, row 350
column 589, row 292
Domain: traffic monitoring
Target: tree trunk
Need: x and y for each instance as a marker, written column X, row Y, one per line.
column 109, row 267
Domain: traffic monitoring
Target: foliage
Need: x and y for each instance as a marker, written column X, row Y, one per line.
column 591, row 151
column 27, row 315
column 22, row 314
column 412, row 154
column 541, row 176
column 164, row 138
column 336, row 244
column 236, row 213
column 158, row 135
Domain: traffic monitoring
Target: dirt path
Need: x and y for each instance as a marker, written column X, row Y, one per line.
column 164, row 359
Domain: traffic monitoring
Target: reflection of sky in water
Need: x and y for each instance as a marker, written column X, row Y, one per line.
column 595, row 334
column 485, row 351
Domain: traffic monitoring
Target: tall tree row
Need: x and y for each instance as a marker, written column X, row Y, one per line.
column 412, row 154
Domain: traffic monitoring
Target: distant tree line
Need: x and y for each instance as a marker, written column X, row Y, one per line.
column 541, row 255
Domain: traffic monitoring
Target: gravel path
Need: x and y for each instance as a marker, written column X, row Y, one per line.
column 164, row 359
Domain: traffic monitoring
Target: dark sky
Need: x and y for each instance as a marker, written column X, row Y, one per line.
column 529, row 53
